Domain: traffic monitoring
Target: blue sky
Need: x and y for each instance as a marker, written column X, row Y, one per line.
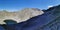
column 13, row 5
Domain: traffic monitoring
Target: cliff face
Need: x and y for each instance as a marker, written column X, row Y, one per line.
column 19, row 16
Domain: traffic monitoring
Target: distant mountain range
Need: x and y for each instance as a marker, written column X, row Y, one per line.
column 21, row 15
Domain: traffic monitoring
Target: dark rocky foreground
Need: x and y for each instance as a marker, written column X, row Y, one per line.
column 50, row 20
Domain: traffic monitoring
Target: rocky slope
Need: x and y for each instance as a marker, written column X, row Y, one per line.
column 39, row 22
column 21, row 15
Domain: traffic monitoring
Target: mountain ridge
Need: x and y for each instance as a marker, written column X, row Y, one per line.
column 21, row 15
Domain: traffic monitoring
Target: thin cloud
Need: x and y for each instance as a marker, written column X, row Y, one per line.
column 50, row 6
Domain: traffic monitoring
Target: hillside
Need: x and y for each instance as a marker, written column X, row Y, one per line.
column 21, row 15
column 50, row 20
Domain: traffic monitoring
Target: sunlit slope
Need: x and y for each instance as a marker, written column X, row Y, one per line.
column 21, row 15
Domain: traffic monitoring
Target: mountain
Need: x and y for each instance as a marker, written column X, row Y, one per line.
column 34, row 23
column 21, row 15
column 29, row 12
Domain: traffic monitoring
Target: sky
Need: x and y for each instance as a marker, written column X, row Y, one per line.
column 14, row 5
